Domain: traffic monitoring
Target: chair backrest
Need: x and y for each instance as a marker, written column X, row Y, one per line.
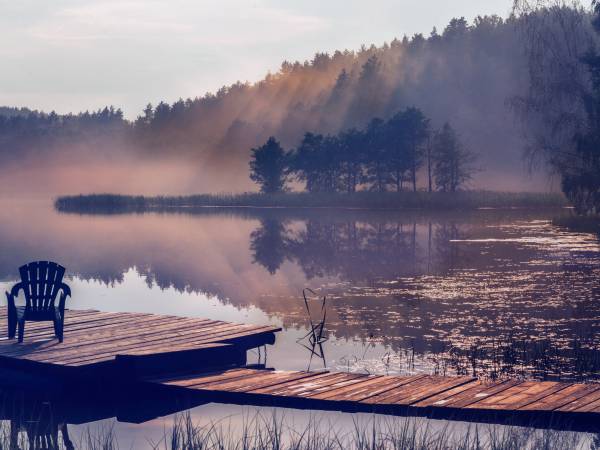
column 41, row 280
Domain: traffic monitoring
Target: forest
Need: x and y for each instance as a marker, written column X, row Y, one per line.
column 463, row 74
column 383, row 156
column 518, row 92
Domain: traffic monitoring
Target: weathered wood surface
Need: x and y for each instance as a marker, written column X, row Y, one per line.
column 93, row 337
column 357, row 392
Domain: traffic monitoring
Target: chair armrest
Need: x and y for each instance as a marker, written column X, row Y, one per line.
column 66, row 289
column 66, row 292
column 14, row 292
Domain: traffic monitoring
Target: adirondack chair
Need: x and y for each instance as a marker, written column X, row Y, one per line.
column 41, row 282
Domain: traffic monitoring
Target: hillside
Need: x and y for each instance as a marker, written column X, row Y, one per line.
column 467, row 74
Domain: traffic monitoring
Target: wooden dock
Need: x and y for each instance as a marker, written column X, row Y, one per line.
column 555, row 404
column 150, row 357
column 128, row 344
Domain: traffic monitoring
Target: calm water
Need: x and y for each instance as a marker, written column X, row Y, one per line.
column 495, row 293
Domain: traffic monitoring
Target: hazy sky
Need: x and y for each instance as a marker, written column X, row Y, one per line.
column 72, row 55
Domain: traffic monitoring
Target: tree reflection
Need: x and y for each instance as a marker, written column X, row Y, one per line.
column 356, row 250
column 268, row 244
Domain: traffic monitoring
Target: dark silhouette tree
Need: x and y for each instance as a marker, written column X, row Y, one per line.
column 268, row 167
column 417, row 131
column 304, row 161
column 557, row 110
column 351, row 147
column 375, row 155
column 316, row 162
column 453, row 164
column 404, row 135
column 581, row 169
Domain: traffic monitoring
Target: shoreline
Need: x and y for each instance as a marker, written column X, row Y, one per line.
column 363, row 200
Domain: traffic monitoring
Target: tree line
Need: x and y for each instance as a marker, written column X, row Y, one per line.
column 386, row 155
column 24, row 131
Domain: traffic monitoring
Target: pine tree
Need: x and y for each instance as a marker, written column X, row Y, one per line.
column 453, row 164
column 268, row 165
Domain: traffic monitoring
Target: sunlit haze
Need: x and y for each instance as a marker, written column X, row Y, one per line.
column 71, row 55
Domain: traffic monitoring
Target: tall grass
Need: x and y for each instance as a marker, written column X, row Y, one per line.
column 114, row 203
column 274, row 432
column 375, row 433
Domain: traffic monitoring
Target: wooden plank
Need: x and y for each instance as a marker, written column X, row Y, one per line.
column 154, row 348
column 480, row 392
column 340, row 386
column 127, row 323
column 187, row 380
column 412, row 396
column 34, row 327
column 403, row 389
column 229, row 380
column 309, row 387
column 441, row 398
column 532, row 395
column 580, row 403
column 144, row 330
column 341, row 393
column 282, row 377
column 157, row 342
column 43, row 330
column 272, row 389
column 466, row 394
column 589, row 407
column 597, row 407
column 386, row 384
column 240, row 383
column 282, row 388
column 198, row 382
column 520, row 395
column 96, row 323
column 562, row 398
column 305, row 387
column 111, row 334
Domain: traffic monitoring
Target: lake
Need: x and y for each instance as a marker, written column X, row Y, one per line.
column 495, row 293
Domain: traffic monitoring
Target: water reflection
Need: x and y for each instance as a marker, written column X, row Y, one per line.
column 356, row 251
column 42, row 422
column 35, row 420
column 498, row 293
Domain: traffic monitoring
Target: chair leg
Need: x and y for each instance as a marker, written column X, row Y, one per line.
column 14, row 435
column 55, row 322
column 12, row 324
column 58, row 329
column 66, row 439
column 21, row 329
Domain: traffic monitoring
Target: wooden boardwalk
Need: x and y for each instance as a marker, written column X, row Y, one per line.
column 435, row 396
column 151, row 356
column 96, row 340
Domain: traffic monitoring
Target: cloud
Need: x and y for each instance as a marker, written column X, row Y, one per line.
column 230, row 22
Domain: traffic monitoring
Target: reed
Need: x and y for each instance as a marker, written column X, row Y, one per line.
column 274, row 432
column 115, row 203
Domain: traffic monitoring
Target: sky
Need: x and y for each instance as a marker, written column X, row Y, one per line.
column 76, row 55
